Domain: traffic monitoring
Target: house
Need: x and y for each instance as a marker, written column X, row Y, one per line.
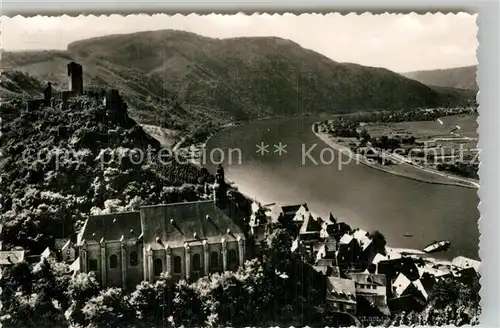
column 300, row 216
column 325, row 250
column 373, row 288
column 184, row 240
column 310, row 228
column 341, row 295
column 335, row 229
column 348, row 254
column 408, row 295
column 48, row 253
column 368, row 249
column 9, row 258
column 285, row 214
column 327, row 269
column 392, row 267
column 463, row 262
column 65, row 248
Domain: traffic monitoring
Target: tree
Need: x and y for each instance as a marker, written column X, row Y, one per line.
column 109, row 309
column 379, row 241
column 187, row 307
column 80, row 290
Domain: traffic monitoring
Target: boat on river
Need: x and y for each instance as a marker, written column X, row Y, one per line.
column 437, row 246
column 408, row 235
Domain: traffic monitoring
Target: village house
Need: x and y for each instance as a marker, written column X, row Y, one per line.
column 463, row 262
column 348, row 255
column 408, row 295
column 334, row 229
column 341, row 295
column 372, row 288
column 285, row 214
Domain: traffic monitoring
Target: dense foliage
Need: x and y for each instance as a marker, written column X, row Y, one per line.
column 59, row 163
column 277, row 288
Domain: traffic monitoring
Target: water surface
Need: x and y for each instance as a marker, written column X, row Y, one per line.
column 361, row 196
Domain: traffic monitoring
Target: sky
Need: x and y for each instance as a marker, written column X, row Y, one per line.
column 400, row 43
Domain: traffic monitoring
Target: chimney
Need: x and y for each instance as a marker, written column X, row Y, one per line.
column 75, row 78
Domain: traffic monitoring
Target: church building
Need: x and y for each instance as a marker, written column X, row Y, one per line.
column 185, row 240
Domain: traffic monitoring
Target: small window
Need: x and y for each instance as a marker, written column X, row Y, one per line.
column 177, row 264
column 133, row 259
column 92, row 264
column 214, row 260
column 196, row 262
column 158, row 267
column 113, row 261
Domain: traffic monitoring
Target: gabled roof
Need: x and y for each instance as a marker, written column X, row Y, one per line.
column 111, row 227
column 464, row 263
column 291, row 209
column 379, row 257
column 401, row 283
column 46, row 253
column 331, row 219
column 177, row 223
column 327, row 270
column 339, row 287
column 420, row 287
column 346, row 239
column 11, row 257
column 360, row 234
column 310, row 225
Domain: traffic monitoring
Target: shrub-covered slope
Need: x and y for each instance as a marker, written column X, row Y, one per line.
column 58, row 163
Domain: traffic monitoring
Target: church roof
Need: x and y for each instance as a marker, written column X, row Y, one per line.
column 177, row 223
column 111, row 227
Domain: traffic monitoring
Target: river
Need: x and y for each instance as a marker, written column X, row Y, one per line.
column 361, row 196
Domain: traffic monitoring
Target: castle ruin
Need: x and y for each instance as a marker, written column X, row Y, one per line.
column 110, row 98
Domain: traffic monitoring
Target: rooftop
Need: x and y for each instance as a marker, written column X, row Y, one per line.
column 189, row 221
column 11, row 257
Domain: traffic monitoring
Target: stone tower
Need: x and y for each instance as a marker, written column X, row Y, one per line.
column 220, row 188
column 75, row 78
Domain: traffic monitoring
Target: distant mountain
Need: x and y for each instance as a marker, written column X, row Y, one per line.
column 181, row 80
column 459, row 77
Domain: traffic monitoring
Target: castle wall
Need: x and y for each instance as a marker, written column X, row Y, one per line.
column 75, row 78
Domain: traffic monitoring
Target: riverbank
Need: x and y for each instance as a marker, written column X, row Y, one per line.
column 402, row 169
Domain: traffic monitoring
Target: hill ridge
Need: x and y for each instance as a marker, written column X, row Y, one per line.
column 183, row 81
column 462, row 77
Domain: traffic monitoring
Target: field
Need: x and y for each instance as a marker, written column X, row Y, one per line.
column 446, row 141
column 427, row 129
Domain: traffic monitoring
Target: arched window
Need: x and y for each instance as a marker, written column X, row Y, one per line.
column 92, row 265
column 158, row 267
column 214, row 260
column 177, row 264
column 196, row 262
column 233, row 257
column 133, row 259
column 113, row 261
